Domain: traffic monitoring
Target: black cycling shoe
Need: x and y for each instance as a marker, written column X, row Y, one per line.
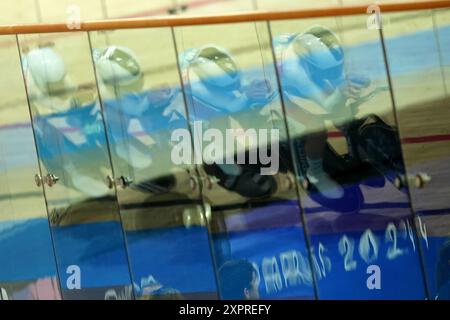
column 156, row 186
column 340, row 170
column 247, row 181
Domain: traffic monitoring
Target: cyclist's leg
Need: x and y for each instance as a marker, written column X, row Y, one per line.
column 313, row 138
column 245, row 179
column 125, row 145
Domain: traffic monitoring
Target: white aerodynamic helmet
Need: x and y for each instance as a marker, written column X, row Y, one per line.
column 320, row 51
column 216, row 67
column 119, row 67
column 47, row 69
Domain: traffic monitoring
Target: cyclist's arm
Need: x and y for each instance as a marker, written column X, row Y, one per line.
column 315, row 100
column 330, row 102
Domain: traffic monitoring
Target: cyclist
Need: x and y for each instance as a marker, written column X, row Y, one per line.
column 130, row 109
column 67, row 121
column 315, row 88
column 218, row 91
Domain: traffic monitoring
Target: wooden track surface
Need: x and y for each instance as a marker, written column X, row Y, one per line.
column 49, row 11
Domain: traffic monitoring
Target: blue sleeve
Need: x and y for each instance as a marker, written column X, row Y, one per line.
column 185, row 58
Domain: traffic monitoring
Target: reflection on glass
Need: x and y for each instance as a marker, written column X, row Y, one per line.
column 27, row 263
column 418, row 60
column 348, row 159
column 73, row 152
column 241, row 141
column 164, row 221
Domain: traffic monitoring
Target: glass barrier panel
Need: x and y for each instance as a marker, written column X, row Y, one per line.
column 348, row 158
column 76, row 166
column 417, row 46
column 27, row 262
column 241, row 146
column 162, row 212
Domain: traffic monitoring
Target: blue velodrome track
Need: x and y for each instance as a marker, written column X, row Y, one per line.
column 180, row 257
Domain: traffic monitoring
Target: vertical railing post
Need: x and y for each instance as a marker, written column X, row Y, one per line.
column 293, row 160
column 409, row 195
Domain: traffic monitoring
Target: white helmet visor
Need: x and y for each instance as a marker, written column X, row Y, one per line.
column 217, row 68
column 119, row 67
column 323, row 60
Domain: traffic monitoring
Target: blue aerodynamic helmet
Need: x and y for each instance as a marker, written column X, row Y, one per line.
column 321, row 54
column 215, row 67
